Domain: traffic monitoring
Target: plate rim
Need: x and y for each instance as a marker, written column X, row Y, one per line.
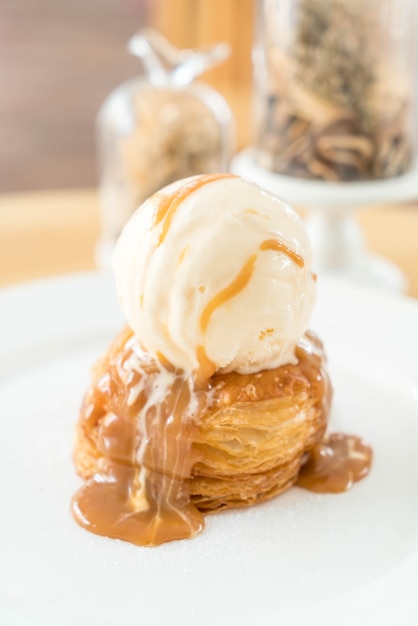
column 103, row 280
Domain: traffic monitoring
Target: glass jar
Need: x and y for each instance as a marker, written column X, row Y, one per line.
column 336, row 88
column 157, row 128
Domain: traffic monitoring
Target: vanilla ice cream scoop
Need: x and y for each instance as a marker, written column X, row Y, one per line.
column 215, row 273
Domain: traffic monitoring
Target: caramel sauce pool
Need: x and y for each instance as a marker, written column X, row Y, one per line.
column 144, row 502
column 334, row 465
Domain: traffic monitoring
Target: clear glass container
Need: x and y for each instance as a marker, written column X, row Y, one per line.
column 157, row 128
column 336, row 88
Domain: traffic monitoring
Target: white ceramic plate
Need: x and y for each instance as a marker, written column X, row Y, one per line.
column 301, row 558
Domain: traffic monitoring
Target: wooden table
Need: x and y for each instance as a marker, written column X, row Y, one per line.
column 54, row 232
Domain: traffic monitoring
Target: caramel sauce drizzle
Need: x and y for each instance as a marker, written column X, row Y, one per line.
column 142, row 422
column 238, row 284
column 183, row 254
column 168, row 205
column 279, row 246
column 140, row 494
column 243, row 278
column 164, row 361
column 206, row 367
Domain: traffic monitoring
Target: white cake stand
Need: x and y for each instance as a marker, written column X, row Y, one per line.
column 336, row 239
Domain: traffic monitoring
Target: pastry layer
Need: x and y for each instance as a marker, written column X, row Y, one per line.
column 247, row 434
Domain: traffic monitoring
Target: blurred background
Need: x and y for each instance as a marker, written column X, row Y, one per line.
column 59, row 59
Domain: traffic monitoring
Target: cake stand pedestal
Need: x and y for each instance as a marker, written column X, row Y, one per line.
column 337, row 240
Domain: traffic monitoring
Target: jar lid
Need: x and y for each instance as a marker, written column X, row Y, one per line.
column 166, row 65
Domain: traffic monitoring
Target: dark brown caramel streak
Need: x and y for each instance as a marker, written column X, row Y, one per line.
column 168, row 204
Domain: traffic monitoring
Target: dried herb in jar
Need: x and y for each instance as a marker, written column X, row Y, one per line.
column 332, row 109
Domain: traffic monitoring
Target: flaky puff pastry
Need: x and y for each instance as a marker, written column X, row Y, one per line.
column 246, row 441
